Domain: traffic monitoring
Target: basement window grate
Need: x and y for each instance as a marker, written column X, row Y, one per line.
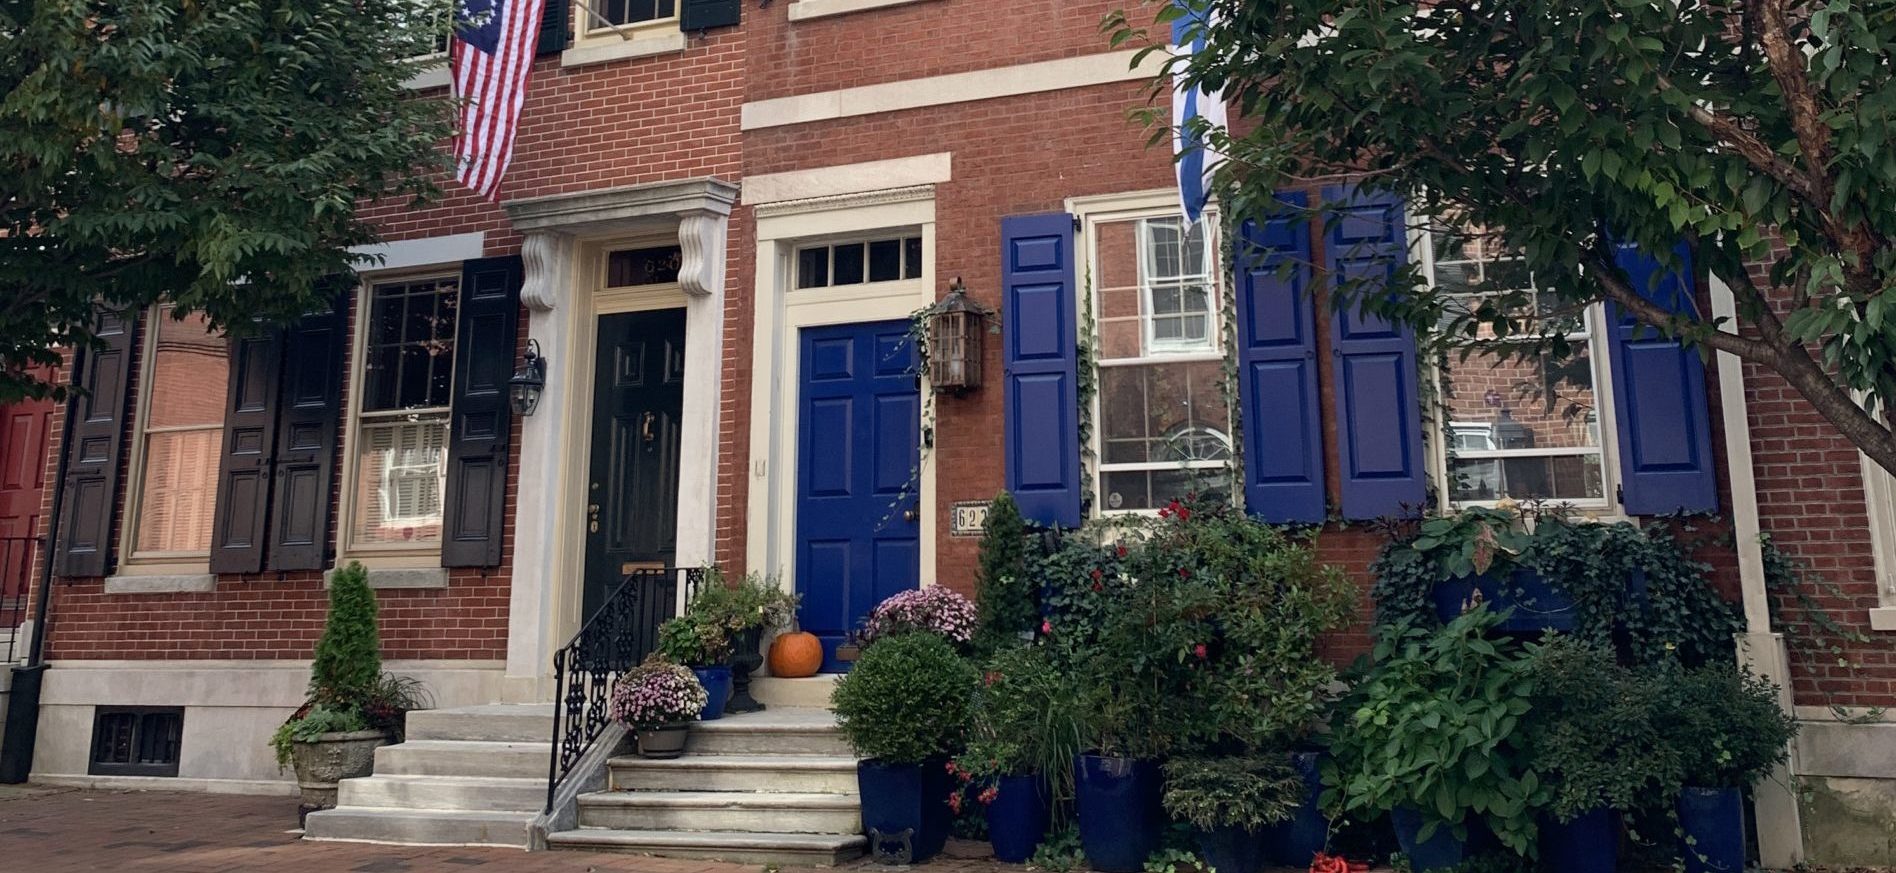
column 136, row 740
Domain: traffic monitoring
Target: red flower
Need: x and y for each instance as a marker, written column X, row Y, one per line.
column 1184, row 573
column 1199, row 650
column 1122, row 550
column 988, row 795
column 1046, row 627
column 1184, row 513
column 1323, row 863
column 1096, row 574
column 1098, row 587
column 990, row 677
column 954, row 802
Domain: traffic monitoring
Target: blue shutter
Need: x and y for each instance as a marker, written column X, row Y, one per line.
column 1665, row 442
column 1379, row 418
column 1277, row 369
column 1041, row 352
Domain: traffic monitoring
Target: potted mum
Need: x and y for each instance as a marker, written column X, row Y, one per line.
column 1727, row 729
column 703, row 646
column 657, row 700
column 932, row 610
column 904, row 709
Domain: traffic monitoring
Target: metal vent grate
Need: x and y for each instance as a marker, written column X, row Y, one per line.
column 136, row 741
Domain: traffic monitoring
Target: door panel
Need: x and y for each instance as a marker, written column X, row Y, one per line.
column 632, row 493
column 858, row 429
column 24, row 428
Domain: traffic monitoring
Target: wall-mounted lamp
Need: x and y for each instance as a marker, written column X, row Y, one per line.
column 955, row 330
column 527, row 382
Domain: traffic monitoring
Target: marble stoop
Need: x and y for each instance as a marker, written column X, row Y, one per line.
column 469, row 776
column 771, row 787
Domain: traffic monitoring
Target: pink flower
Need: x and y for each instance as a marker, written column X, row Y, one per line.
column 1199, row 650
column 1046, row 627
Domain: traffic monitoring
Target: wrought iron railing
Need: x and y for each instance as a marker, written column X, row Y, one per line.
column 16, row 579
column 615, row 639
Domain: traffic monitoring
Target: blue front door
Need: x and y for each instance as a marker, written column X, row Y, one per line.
column 858, row 430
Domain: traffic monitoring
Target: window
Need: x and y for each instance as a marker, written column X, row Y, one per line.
column 401, row 431
column 854, row 263
column 136, row 741
column 633, row 267
column 181, row 429
column 1164, row 429
column 622, row 12
column 1515, row 424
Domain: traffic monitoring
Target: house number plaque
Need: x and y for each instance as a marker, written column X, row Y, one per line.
column 968, row 519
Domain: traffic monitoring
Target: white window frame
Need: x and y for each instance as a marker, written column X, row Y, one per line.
column 151, row 561
column 1141, row 206
column 1150, row 316
column 381, row 554
column 1879, row 499
column 1607, row 506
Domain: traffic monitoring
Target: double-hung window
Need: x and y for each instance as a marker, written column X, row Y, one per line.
column 1163, row 424
column 180, row 432
column 401, row 427
column 1515, row 423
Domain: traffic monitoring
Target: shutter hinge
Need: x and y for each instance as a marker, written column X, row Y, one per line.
column 1619, row 494
column 1076, row 223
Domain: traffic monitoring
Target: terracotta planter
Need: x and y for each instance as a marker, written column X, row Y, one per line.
column 332, row 758
column 667, row 741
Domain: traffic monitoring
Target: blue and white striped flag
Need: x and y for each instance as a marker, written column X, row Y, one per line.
column 1195, row 161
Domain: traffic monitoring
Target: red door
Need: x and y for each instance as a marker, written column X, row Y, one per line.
column 23, row 431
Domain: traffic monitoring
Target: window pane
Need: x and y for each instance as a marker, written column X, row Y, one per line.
column 1532, row 403
column 401, row 470
column 912, row 258
column 885, row 260
column 179, row 494
column 190, row 369
column 849, row 264
column 1164, row 413
column 1556, row 478
column 1151, row 489
column 410, row 360
column 813, row 267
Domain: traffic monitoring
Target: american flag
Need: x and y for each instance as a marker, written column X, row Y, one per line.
column 490, row 55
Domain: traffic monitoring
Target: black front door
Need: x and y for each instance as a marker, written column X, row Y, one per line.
column 632, row 493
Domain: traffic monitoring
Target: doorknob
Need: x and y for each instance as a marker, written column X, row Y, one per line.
column 592, row 518
column 909, row 515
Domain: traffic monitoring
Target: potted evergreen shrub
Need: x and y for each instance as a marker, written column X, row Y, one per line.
column 1229, row 802
column 1727, row 729
column 1023, row 735
column 701, row 644
column 657, row 700
column 904, row 709
column 1004, row 594
column 353, row 707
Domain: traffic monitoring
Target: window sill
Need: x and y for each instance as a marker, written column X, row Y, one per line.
column 381, row 578
column 178, row 583
column 1883, row 618
column 803, row 10
column 600, row 52
column 430, row 72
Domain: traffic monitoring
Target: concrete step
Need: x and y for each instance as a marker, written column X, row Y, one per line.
column 734, row 811
column 821, row 850
column 419, row 827
column 813, row 691
column 464, row 758
column 497, row 723
column 444, row 793
column 774, row 731
column 811, row 774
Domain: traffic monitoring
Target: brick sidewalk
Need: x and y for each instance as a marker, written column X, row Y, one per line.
column 69, row 831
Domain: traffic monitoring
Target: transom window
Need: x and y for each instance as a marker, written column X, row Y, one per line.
column 1516, row 424
column 181, row 431
column 1164, row 426
column 829, row 265
column 654, row 266
column 402, row 426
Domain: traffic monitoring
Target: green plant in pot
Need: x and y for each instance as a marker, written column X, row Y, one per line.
column 1020, row 750
column 904, row 708
column 1229, row 801
column 353, row 706
column 744, row 609
column 1434, row 735
column 1728, row 730
column 702, row 644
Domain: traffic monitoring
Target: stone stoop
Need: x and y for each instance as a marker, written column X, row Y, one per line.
column 772, row 787
column 469, row 776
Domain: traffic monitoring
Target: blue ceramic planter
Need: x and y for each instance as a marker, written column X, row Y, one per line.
column 904, row 810
column 1018, row 817
column 1294, row 842
column 1714, row 823
column 1118, row 802
column 1232, row 849
column 717, row 690
column 1588, row 844
column 1441, row 851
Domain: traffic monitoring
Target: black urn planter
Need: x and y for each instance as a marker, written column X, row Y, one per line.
column 748, row 655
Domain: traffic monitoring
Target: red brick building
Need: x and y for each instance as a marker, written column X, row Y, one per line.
column 716, row 237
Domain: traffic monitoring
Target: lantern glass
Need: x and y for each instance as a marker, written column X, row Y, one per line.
column 955, row 349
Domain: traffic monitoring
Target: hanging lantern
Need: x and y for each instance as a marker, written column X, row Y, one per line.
column 955, row 331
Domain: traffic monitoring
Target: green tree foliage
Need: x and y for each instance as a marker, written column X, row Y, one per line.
column 908, row 700
column 1004, row 595
column 347, row 672
column 214, row 153
column 1756, row 132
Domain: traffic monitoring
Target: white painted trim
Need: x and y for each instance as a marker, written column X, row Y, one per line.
column 848, row 178
column 770, row 517
column 167, row 584
column 431, row 71
column 398, row 577
column 1883, row 618
column 409, row 254
column 804, row 10
column 1033, row 78
column 600, row 51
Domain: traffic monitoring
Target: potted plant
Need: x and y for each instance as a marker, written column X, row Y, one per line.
column 353, row 707
column 703, row 646
column 1229, row 802
column 744, row 609
column 931, row 610
column 904, row 709
column 1726, row 727
column 657, row 700
column 1433, row 736
column 1023, row 735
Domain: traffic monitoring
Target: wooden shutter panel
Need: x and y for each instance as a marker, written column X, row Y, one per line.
column 706, row 14
column 1379, row 416
column 555, row 27
column 1041, row 354
column 95, row 439
column 481, row 425
column 308, row 416
column 1277, row 369
column 238, row 529
column 1659, row 397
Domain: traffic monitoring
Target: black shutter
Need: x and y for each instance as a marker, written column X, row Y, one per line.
column 553, row 26
column 706, row 14
column 481, row 424
column 238, row 529
column 95, row 437
column 309, row 413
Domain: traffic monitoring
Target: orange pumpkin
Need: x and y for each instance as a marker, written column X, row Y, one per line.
column 795, row 655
